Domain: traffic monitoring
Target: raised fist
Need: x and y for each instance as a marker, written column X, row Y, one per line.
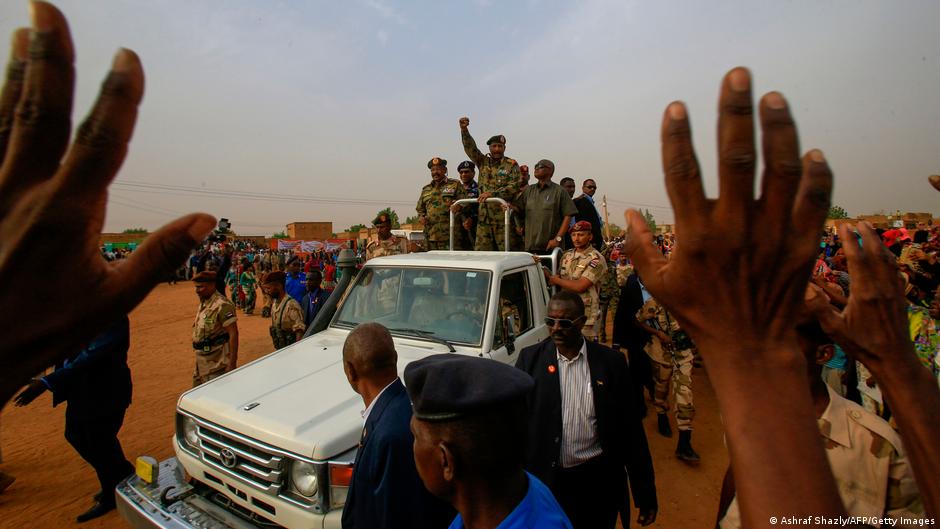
column 464, row 122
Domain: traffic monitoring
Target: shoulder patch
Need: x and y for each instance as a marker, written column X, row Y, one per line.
column 593, row 263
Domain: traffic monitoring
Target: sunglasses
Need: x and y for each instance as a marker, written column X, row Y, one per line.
column 562, row 323
column 590, row 187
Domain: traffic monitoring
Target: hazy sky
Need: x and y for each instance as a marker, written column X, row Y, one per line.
column 345, row 101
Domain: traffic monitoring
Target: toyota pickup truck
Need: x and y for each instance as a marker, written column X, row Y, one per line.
column 272, row 443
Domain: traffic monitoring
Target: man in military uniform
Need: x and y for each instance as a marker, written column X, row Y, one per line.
column 670, row 350
column 499, row 178
column 386, row 244
column 582, row 270
column 287, row 318
column 467, row 235
column 434, row 205
column 215, row 331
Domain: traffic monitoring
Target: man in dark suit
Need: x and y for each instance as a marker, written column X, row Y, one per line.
column 385, row 491
column 629, row 334
column 315, row 297
column 97, row 385
column 583, row 428
column 587, row 211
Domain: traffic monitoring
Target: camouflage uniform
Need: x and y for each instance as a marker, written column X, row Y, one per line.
column 391, row 246
column 868, row 463
column 210, row 339
column 671, row 363
column 434, row 204
column 591, row 265
column 500, row 178
column 608, row 298
column 287, row 318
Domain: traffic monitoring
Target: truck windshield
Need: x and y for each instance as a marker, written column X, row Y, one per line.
column 451, row 304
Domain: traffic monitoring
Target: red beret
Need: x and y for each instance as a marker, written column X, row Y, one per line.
column 581, row 225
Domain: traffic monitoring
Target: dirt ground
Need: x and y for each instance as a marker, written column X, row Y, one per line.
column 54, row 485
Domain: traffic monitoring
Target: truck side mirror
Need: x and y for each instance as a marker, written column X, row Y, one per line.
column 510, row 335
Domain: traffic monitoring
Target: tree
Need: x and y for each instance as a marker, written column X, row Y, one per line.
column 392, row 215
column 837, row 212
column 279, row 235
column 355, row 228
column 412, row 219
column 614, row 229
column 141, row 231
column 650, row 221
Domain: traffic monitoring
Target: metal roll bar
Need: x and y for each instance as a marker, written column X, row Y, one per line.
column 491, row 200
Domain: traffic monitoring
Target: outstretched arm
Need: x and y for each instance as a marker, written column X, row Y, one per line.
column 469, row 145
column 735, row 282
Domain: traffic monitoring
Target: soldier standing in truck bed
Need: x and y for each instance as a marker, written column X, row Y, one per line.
column 499, row 178
column 434, row 205
column 215, row 331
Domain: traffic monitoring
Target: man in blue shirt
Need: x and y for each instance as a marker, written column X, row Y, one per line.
column 469, row 425
column 295, row 283
column 315, row 297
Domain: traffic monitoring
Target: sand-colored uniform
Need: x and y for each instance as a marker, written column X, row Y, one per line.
column 287, row 319
column 434, row 204
column 672, row 365
column 589, row 264
column 391, row 246
column 210, row 339
column 869, row 465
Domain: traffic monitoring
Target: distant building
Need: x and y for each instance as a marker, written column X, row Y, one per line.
column 887, row 221
column 310, row 231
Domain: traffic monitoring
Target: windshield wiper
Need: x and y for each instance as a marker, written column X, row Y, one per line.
column 427, row 334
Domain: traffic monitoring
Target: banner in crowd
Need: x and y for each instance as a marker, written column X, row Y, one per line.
column 311, row 246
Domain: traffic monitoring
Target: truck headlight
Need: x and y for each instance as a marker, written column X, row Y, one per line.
column 303, row 477
column 190, row 436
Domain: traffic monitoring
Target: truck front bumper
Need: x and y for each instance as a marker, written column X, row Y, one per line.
column 172, row 503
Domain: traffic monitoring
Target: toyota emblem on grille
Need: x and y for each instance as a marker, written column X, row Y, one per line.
column 228, row 458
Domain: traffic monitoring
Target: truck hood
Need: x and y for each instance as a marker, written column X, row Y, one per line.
column 299, row 398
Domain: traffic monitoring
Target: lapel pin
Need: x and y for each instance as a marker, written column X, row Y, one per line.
column 552, row 369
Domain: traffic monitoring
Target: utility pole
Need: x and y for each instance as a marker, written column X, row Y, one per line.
column 606, row 222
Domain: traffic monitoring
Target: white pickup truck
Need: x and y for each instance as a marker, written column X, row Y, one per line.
column 272, row 443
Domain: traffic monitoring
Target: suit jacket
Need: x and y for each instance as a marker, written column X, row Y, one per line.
column 619, row 427
column 626, row 332
column 321, row 297
column 587, row 211
column 96, row 380
column 386, row 491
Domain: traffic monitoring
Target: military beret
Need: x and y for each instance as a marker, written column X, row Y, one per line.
column 466, row 164
column 581, row 225
column 275, row 277
column 446, row 387
column 207, row 276
column 437, row 161
column 499, row 138
column 381, row 219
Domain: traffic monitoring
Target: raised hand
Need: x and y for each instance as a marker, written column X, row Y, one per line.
column 52, row 203
column 464, row 123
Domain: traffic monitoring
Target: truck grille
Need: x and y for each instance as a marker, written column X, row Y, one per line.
column 246, row 459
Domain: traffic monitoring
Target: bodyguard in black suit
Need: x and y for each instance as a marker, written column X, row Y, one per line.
column 386, row 491
column 587, row 211
column 629, row 334
column 96, row 383
column 584, row 437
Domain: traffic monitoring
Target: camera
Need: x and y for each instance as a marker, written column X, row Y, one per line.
column 220, row 231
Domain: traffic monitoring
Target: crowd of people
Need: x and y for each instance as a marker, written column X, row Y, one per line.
column 767, row 304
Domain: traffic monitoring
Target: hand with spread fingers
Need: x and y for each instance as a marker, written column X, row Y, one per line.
column 735, row 281
column 52, row 203
column 873, row 328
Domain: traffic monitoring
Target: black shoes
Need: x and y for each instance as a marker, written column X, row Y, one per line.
column 99, row 509
column 684, row 449
column 664, row 429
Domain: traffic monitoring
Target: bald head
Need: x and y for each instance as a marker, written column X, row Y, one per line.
column 369, row 350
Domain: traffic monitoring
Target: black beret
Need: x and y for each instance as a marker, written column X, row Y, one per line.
column 499, row 138
column 446, row 387
column 381, row 219
column 207, row 276
column 466, row 164
column 437, row 161
column 275, row 277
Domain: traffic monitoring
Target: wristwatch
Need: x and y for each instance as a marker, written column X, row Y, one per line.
column 557, row 238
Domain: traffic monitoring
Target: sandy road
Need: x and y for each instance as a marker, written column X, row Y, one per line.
column 54, row 485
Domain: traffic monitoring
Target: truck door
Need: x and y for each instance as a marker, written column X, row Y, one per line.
column 515, row 301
